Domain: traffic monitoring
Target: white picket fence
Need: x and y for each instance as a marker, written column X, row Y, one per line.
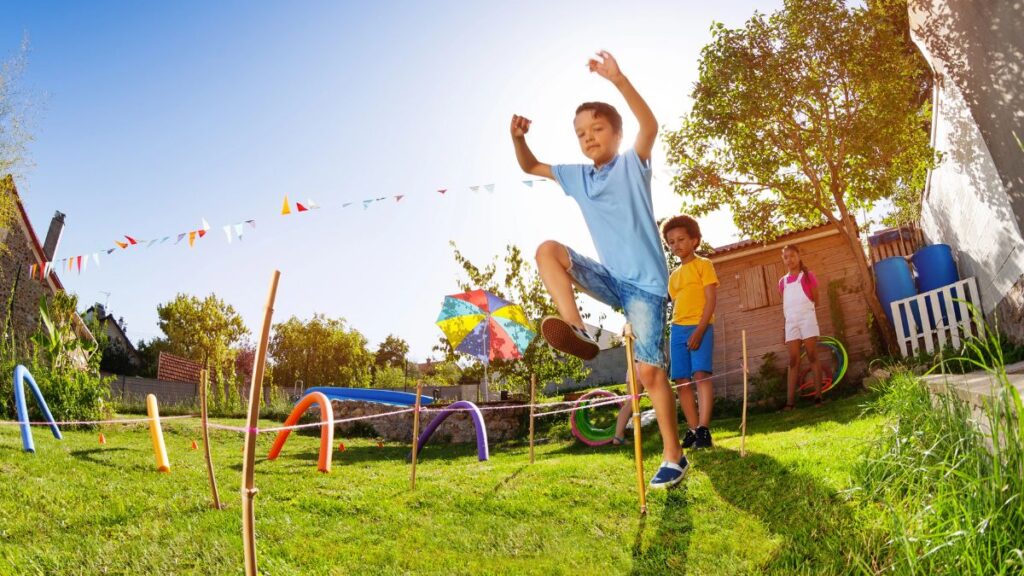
column 933, row 331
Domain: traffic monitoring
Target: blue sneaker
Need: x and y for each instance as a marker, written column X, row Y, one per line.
column 670, row 474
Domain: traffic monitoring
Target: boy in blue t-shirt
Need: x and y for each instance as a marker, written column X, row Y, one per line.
column 614, row 194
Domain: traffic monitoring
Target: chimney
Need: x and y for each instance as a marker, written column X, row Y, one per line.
column 53, row 236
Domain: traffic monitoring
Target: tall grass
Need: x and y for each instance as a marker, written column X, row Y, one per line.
column 950, row 474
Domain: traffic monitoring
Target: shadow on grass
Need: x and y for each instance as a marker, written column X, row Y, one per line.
column 822, row 534
column 89, row 455
column 665, row 551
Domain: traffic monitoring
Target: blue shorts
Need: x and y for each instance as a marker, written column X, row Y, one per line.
column 686, row 362
column 645, row 311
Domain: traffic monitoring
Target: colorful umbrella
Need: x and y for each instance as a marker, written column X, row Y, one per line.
column 485, row 326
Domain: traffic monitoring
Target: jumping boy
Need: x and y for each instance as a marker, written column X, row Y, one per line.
column 614, row 194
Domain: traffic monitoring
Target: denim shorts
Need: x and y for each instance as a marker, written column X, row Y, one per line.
column 686, row 362
column 645, row 311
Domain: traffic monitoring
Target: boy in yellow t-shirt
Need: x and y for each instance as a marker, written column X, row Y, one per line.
column 693, row 288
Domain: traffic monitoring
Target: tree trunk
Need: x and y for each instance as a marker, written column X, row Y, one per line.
column 848, row 230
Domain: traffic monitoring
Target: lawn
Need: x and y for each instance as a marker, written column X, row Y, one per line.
column 76, row 507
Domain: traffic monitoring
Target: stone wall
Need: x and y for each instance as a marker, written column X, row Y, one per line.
column 457, row 429
column 14, row 268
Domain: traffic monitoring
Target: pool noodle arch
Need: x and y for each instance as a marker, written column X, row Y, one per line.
column 482, row 450
column 326, row 429
column 21, row 374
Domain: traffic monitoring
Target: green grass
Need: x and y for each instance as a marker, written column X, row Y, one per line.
column 76, row 507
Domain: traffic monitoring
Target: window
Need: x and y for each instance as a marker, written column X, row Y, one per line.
column 752, row 288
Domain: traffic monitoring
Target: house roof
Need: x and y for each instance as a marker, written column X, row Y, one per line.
column 177, row 369
column 755, row 243
column 108, row 319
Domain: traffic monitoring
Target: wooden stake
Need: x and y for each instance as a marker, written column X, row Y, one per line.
column 743, row 419
column 249, row 461
column 416, row 431
column 206, row 441
column 638, row 450
column 533, row 396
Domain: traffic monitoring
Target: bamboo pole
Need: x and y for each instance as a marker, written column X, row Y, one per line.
column 533, row 397
column 743, row 419
column 416, row 432
column 248, row 489
column 206, row 442
column 638, row 450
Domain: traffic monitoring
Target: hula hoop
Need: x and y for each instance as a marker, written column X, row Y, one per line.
column 842, row 362
column 582, row 428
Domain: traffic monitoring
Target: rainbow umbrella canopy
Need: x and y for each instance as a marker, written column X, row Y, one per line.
column 484, row 326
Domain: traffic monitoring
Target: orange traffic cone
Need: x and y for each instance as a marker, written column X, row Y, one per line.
column 194, row 445
column 380, row 444
column 341, row 446
column 103, row 439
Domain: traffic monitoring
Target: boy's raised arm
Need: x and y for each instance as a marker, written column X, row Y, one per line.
column 608, row 68
column 527, row 161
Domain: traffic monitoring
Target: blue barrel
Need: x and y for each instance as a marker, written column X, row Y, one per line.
column 935, row 267
column 894, row 281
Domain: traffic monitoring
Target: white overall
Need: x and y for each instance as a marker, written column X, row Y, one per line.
column 801, row 321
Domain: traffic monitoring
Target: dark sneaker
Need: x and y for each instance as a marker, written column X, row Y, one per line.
column 670, row 474
column 703, row 438
column 688, row 439
column 567, row 338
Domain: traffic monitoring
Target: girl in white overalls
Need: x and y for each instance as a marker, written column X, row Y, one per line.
column 799, row 289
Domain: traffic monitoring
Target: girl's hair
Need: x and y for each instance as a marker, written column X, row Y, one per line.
column 793, row 248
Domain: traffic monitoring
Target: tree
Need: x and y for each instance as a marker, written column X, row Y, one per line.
column 802, row 118
column 14, row 132
column 204, row 331
column 520, row 284
column 319, row 352
column 391, row 352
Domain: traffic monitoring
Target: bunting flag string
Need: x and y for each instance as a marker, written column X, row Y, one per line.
column 231, row 231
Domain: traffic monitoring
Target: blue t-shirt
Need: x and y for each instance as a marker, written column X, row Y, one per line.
column 617, row 207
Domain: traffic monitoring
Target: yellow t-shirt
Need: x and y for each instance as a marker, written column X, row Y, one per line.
column 686, row 288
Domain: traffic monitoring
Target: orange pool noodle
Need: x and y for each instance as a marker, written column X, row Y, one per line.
column 326, row 428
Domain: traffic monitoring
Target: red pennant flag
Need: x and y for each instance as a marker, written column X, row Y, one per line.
column 79, row 258
column 121, row 245
column 443, row 190
column 300, row 207
column 131, row 240
column 201, row 233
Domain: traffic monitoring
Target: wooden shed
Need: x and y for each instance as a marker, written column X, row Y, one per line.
column 748, row 299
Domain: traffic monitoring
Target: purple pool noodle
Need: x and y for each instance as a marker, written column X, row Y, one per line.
column 478, row 422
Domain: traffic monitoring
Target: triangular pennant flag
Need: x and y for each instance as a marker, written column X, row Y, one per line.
column 79, row 260
column 180, row 236
column 312, row 205
column 96, row 258
column 110, row 251
column 474, row 188
column 121, row 245
column 285, row 208
column 528, row 183
column 150, row 243
column 32, row 271
column 71, row 264
column 442, row 190
column 46, row 269
column 238, row 230
column 227, row 232
column 489, row 187
column 85, row 264
column 165, row 239
column 366, row 204
column 381, row 199
column 399, row 197
column 201, row 233
column 191, row 239
column 299, row 207
column 131, row 240
column 206, row 225
column 346, row 204
column 251, row 223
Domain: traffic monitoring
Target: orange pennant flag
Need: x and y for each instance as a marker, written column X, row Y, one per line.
column 286, row 209
column 121, row 245
column 191, row 238
column 300, row 207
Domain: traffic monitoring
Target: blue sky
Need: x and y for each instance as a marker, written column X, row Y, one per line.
column 153, row 116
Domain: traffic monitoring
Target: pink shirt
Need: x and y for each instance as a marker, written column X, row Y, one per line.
column 809, row 283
